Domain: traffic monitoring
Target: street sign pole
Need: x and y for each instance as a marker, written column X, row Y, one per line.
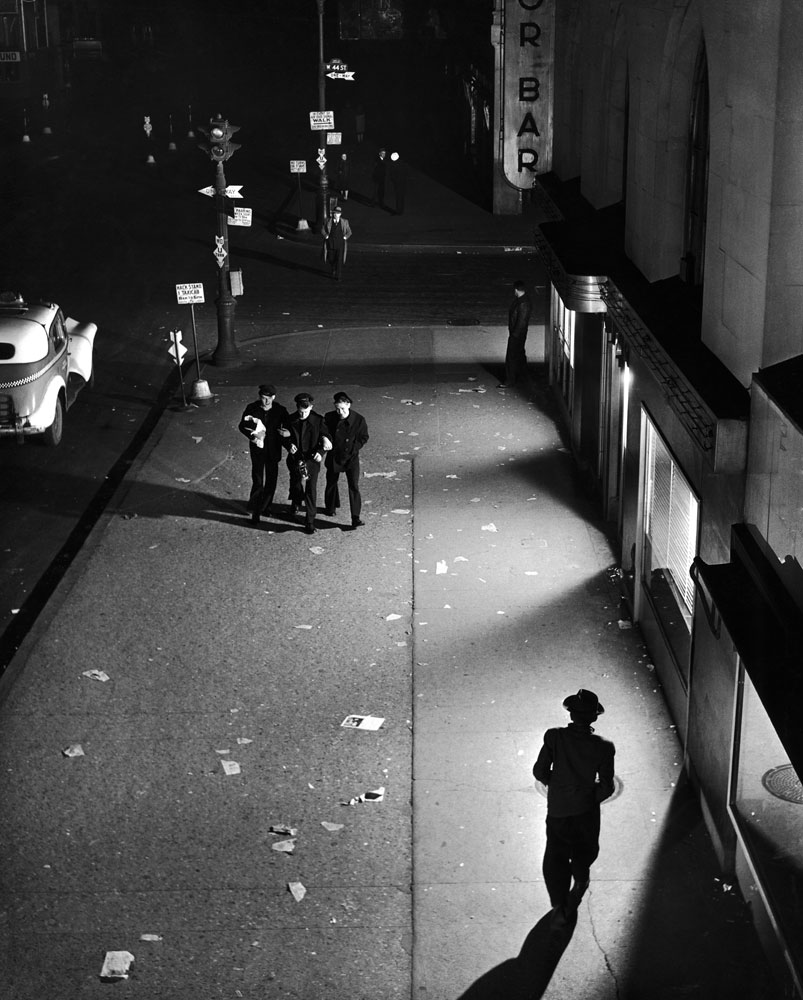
column 323, row 192
column 226, row 353
column 195, row 341
column 177, row 351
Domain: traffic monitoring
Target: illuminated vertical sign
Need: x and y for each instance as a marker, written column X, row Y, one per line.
column 529, row 53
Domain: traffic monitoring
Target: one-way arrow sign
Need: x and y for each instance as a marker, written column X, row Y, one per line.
column 347, row 75
column 232, row 191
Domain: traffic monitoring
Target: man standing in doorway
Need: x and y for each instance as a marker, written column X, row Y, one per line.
column 336, row 234
column 348, row 432
column 576, row 766
column 518, row 323
column 260, row 423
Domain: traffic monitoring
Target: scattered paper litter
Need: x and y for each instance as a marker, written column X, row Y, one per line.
column 624, row 624
column 412, row 402
column 288, row 831
column 116, row 965
column 284, row 846
column 373, row 722
column 377, row 795
column 441, row 566
column 387, row 475
column 298, row 890
column 197, row 440
column 180, row 480
column 474, row 500
column 96, row 675
column 400, row 510
column 331, row 827
column 460, row 559
column 74, row 750
column 305, row 374
column 150, row 937
column 302, row 626
column 452, row 477
column 531, row 572
column 243, row 740
column 392, row 618
column 316, row 550
column 230, row 766
column 489, row 527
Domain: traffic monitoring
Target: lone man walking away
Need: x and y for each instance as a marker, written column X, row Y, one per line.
column 336, row 234
column 576, row 766
column 348, row 432
column 260, row 423
column 518, row 323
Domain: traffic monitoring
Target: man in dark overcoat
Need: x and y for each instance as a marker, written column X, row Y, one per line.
column 260, row 423
column 576, row 766
column 518, row 323
column 306, row 444
column 348, row 432
column 336, row 234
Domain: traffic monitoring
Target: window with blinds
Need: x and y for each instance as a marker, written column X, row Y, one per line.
column 670, row 542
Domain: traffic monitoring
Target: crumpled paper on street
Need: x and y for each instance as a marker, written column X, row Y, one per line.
column 372, row 722
column 116, row 965
column 376, row 795
column 298, row 890
column 96, row 675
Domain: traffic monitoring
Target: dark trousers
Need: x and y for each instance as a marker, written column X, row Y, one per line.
column 264, row 474
column 572, row 846
column 304, row 495
column 515, row 361
column 332, row 494
column 336, row 261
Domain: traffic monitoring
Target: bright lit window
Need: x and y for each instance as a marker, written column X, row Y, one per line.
column 670, row 545
column 563, row 346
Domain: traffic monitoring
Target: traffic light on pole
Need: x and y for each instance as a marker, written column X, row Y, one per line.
column 219, row 145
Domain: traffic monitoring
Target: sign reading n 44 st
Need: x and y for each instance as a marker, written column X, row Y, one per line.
column 529, row 89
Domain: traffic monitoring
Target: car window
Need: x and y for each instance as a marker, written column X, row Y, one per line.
column 57, row 334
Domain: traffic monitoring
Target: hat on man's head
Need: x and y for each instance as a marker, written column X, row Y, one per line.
column 583, row 703
column 342, row 397
column 267, row 389
column 304, row 397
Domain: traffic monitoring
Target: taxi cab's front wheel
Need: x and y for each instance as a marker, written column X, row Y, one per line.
column 52, row 435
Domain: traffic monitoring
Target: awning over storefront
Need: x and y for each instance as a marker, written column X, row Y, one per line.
column 750, row 599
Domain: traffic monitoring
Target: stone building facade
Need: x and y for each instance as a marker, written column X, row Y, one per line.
column 674, row 339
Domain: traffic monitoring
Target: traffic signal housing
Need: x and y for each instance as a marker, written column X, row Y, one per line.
column 219, row 145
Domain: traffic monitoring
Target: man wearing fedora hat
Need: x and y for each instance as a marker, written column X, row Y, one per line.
column 576, row 766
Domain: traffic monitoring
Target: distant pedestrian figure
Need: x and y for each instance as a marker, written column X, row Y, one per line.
column 576, row 766
column 336, row 234
column 306, row 444
column 260, row 423
column 518, row 324
column 398, row 179
column 342, row 176
column 348, row 432
column 379, row 177
column 359, row 122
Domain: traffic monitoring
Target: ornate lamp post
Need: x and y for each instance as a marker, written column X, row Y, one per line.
column 323, row 191
column 220, row 147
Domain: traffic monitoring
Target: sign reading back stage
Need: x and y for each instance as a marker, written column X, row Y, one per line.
column 529, row 86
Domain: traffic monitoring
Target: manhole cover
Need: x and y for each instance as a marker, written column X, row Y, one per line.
column 783, row 783
column 463, row 321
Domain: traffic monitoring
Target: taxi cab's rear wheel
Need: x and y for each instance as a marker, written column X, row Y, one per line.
column 52, row 435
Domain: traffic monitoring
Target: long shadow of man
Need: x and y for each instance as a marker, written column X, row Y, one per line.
column 527, row 976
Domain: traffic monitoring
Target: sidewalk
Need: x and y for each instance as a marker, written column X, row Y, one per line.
column 479, row 594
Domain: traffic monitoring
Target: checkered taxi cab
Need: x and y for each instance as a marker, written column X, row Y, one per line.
column 45, row 360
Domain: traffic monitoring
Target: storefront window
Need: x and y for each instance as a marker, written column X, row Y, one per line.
column 767, row 805
column 670, row 545
column 563, row 347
